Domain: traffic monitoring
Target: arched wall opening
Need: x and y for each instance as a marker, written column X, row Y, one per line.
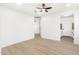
column 67, row 28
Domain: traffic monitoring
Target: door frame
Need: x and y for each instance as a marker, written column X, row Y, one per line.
column 39, row 24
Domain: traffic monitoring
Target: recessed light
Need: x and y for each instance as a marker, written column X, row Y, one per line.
column 19, row 3
column 68, row 4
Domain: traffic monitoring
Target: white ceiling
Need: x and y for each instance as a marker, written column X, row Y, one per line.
column 29, row 8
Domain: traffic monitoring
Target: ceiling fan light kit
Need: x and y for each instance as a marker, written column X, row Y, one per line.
column 44, row 8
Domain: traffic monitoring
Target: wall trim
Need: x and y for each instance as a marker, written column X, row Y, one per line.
column 18, row 42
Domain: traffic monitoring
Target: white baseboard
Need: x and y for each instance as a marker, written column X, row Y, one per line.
column 17, row 41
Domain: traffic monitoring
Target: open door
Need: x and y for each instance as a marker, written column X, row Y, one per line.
column 37, row 26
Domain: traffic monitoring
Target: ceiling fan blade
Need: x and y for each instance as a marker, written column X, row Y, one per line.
column 39, row 8
column 48, row 8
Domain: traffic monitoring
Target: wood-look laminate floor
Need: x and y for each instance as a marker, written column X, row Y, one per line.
column 40, row 46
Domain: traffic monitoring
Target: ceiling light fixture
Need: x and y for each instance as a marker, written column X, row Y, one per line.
column 19, row 3
column 68, row 4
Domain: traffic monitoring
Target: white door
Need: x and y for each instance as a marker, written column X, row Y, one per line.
column 67, row 26
column 37, row 25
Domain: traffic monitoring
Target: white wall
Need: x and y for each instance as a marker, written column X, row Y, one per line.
column 76, row 26
column 0, row 34
column 50, row 27
column 15, row 27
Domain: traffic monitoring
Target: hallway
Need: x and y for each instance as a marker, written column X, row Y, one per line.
column 41, row 46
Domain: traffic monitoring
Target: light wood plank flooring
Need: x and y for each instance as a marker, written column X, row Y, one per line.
column 40, row 46
column 67, row 39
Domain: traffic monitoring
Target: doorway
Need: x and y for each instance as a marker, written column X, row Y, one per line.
column 67, row 28
column 37, row 23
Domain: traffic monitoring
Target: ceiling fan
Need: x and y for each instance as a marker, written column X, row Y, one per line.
column 44, row 7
